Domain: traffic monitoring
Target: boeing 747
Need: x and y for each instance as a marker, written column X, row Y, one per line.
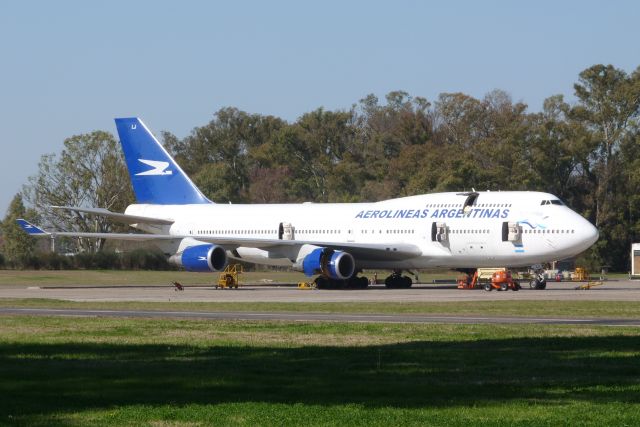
column 335, row 241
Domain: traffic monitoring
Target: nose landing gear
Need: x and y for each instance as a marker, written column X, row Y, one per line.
column 538, row 282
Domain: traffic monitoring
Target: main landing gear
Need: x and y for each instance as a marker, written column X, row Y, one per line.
column 398, row 281
column 395, row 281
column 354, row 282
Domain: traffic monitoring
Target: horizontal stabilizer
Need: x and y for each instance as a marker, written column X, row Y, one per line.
column 30, row 228
column 117, row 217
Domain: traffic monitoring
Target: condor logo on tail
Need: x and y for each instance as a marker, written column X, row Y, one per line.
column 158, row 168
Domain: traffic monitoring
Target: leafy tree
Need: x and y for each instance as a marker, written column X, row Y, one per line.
column 609, row 108
column 18, row 246
column 89, row 172
column 219, row 182
column 225, row 141
column 385, row 129
column 588, row 154
column 268, row 185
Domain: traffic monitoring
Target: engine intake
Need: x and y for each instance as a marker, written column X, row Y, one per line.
column 330, row 263
column 202, row 258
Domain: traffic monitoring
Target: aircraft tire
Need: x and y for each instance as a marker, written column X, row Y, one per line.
column 538, row 284
column 358, row 283
column 364, row 282
column 391, row 282
column 406, row 282
column 321, row 282
column 395, row 281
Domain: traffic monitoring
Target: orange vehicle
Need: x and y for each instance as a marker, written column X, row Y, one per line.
column 500, row 279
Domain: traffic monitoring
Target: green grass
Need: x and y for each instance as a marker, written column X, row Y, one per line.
column 102, row 371
column 561, row 309
column 117, row 277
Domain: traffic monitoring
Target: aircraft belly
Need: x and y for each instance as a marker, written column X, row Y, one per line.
column 277, row 262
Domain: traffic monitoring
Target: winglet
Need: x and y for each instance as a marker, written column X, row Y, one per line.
column 30, row 228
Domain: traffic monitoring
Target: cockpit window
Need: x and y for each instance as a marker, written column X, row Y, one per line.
column 552, row 202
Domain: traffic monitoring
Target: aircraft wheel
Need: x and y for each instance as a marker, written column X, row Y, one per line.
column 364, row 282
column 395, row 281
column 539, row 284
column 391, row 282
column 406, row 282
column 321, row 282
column 358, row 283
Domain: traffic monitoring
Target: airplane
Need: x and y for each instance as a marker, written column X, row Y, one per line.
column 335, row 241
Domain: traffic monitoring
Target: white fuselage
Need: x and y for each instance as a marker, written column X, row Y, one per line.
column 473, row 235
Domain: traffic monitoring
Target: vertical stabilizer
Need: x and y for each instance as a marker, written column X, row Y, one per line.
column 155, row 176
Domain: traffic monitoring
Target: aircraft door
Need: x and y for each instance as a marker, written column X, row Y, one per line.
column 439, row 232
column 286, row 231
column 511, row 232
column 470, row 201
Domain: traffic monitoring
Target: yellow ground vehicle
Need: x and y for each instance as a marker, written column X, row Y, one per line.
column 229, row 277
column 580, row 275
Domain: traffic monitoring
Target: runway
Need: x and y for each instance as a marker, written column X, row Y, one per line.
column 619, row 290
column 317, row 317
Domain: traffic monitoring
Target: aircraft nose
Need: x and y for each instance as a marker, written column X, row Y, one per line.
column 588, row 233
column 592, row 234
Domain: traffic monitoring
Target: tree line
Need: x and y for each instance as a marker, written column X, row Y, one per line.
column 585, row 152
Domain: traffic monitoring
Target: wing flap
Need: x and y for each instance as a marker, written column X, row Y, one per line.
column 117, row 217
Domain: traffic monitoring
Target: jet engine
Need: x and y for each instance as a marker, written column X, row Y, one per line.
column 201, row 258
column 337, row 265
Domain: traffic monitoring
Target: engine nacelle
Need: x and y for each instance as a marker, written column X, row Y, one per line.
column 202, row 258
column 330, row 263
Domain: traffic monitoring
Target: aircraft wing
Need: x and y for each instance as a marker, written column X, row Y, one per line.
column 36, row 231
column 369, row 251
column 117, row 217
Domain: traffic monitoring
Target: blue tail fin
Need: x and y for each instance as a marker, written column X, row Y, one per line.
column 30, row 228
column 155, row 176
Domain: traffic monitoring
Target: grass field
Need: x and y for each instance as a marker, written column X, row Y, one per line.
column 68, row 371
column 560, row 309
column 117, row 277
column 98, row 371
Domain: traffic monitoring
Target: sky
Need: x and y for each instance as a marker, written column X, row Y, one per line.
column 70, row 67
